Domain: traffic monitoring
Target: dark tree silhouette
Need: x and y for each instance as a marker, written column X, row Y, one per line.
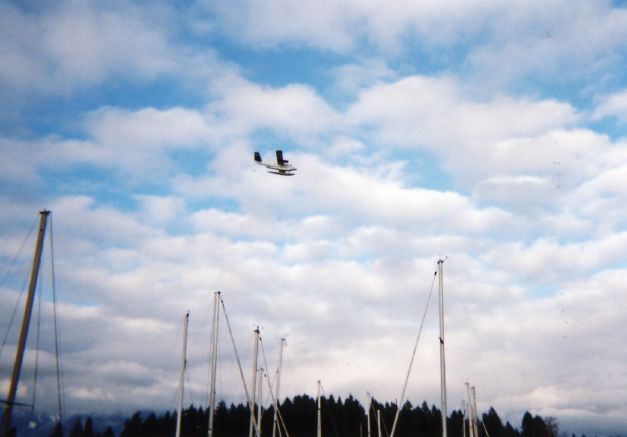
column 77, row 429
column 57, row 431
column 339, row 418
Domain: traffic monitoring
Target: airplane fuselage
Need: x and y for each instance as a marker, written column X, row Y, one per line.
column 281, row 168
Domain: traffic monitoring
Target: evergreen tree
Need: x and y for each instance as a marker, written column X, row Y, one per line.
column 77, row 429
column 88, row 429
column 108, row 432
column 493, row 424
column 132, row 426
column 57, row 431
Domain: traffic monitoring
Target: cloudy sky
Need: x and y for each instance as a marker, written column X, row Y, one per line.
column 491, row 133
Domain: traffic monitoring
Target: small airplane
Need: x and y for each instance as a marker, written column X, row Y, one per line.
column 282, row 166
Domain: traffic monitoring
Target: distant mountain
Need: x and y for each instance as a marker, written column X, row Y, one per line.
column 42, row 424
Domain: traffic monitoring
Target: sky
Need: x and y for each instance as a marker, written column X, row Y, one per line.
column 490, row 134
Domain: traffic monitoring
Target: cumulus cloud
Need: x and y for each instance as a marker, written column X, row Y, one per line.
column 295, row 110
column 155, row 207
column 613, row 105
column 73, row 45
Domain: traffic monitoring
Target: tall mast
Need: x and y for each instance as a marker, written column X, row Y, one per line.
column 254, row 384
column 368, row 414
column 471, row 428
column 28, row 309
column 474, row 411
column 442, row 360
column 179, row 410
column 464, row 413
column 278, row 383
column 319, row 423
column 214, row 360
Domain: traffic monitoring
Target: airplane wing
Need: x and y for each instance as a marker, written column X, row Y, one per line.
column 282, row 167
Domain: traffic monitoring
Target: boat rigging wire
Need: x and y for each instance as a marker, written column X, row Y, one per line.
column 23, row 288
column 326, row 404
column 275, row 402
column 482, row 347
column 239, row 365
column 17, row 306
column 57, row 342
column 413, row 355
column 37, row 336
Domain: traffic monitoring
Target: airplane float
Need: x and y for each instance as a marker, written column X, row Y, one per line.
column 282, row 166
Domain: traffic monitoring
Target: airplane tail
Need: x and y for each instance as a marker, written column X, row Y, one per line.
column 257, row 157
column 279, row 158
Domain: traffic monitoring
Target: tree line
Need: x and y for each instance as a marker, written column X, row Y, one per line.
column 340, row 418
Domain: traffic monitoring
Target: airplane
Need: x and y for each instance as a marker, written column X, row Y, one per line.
column 282, row 166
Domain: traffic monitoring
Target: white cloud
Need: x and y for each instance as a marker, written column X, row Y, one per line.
column 77, row 44
column 551, row 39
column 475, row 139
column 613, row 105
column 135, row 143
column 294, row 110
column 147, row 128
column 340, row 257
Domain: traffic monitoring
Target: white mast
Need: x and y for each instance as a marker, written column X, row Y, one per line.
column 442, row 360
column 474, row 411
column 179, row 409
column 463, row 418
column 379, row 423
column 254, row 384
column 214, row 360
column 469, row 415
column 28, row 309
column 368, row 414
column 319, row 427
column 278, row 383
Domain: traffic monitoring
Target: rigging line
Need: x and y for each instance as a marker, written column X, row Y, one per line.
column 37, row 337
column 193, row 350
column 17, row 305
column 385, row 428
column 239, row 365
column 265, row 363
column 19, row 252
column 23, row 288
column 275, row 402
column 485, row 429
column 482, row 346
column 326, row 404
column 4, row 278
column 57, row 350
column 413, row 355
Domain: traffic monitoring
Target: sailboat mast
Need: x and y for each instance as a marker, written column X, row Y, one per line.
column 278, row 383
column 471, row 428
column 319, row 423
column 464, row 413
column 254, row 384
column 214, row 360
column 474, row 411
column 368, row 415
column 442, row 360
column 179, row 409
column 28, row 309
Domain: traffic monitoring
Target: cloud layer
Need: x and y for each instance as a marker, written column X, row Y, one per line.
column 430, row 131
